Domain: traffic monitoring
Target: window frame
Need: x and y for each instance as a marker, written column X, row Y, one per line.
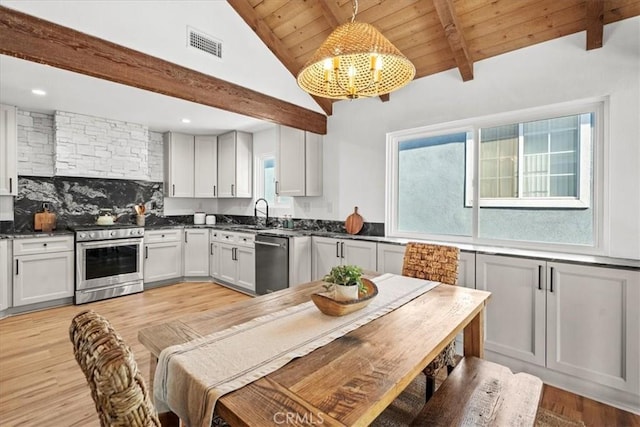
column 598, row 160
column 583, row 198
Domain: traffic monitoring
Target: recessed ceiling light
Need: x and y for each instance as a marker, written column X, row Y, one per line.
column 186, row 121
column 39, row 92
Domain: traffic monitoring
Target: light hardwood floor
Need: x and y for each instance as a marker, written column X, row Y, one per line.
column 41, row 384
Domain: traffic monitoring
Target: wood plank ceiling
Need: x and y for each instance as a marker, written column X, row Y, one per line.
column 436, row 35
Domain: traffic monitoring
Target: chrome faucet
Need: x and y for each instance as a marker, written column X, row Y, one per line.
column 265, row 212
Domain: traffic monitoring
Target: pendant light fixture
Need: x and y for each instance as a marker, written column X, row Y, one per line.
column 355, row 61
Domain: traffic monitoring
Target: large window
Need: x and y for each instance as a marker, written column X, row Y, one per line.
column 533, row 173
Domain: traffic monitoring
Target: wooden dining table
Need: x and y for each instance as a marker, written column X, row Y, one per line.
column 347, row 382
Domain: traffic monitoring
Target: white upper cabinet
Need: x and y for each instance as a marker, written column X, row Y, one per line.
column 8, row 151
column 235, row 164
column 178, row 164
column 298, row 163
column 206, row 166
column 191, row 165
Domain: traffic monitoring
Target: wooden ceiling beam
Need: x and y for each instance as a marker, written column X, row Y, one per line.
column 331, row 12
column 453, row 31
column 595, row 23
column 33, row 39
column 249, row 15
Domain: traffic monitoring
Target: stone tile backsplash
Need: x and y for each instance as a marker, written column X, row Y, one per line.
column 77, row 201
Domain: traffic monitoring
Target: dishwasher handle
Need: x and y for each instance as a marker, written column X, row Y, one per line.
column 260, row 242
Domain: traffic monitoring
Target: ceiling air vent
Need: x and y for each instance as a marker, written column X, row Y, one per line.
column 204, row 42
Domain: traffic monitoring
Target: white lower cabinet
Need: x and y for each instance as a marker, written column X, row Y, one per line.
column 515, row 315
column 162, row 255
column 245, row 259
column 390, row 258
column 5, row 266
column 299, row 260
column 593, row 324
column 329, row 252
column 237, row 260
column 214, row 255
column 44, row 274
column 582, row 321
column 196, row 252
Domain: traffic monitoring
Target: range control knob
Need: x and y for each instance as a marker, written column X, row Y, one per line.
column 82, row 236
column 92, row 235
column 113, row 233
column 140, row 232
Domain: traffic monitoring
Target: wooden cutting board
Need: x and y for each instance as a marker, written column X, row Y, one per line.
column 354, row 222
column 44, row 221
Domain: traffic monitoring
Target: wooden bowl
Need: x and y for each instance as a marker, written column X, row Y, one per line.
column 331, row 307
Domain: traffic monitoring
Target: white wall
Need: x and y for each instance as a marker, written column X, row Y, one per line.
column 553, row 72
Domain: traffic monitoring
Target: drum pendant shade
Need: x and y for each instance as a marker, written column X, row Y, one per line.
column 355, row 61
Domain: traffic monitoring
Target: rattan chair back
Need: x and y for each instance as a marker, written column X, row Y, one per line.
column 431, row 262
column 117, row 388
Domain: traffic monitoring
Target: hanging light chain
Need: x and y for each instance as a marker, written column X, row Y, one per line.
column 355, row 10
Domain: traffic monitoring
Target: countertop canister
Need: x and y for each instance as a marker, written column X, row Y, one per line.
column 198, row 218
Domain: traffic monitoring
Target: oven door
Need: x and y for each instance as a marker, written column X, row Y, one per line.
column 108, row 262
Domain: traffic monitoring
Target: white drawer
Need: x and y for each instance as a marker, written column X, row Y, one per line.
column 227, row 237
column 243, row 239
column 40, row 245
column 166, row 235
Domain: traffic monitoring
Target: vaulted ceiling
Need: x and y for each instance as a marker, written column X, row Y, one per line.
column 436, row 35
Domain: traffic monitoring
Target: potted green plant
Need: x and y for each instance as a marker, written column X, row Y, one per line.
column 347, row 280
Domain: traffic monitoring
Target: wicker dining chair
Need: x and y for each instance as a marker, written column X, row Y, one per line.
column 440, row 264
column 117, row 387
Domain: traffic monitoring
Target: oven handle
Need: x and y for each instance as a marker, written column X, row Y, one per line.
column 110, row 243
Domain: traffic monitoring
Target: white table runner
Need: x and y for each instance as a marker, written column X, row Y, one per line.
column 191, row 377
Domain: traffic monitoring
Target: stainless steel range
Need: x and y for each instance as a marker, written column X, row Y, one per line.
column 109, row 262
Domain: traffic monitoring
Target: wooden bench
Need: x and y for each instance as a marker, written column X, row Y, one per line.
column 482, row 393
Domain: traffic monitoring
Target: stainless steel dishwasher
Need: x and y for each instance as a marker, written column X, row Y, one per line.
column 272, row 263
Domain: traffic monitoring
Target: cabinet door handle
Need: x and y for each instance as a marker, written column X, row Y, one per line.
column 10, row 185
column 277, row 189
column 235, row 254
column 211, row 251
column 174, row 189
column 539, row 277
column 146, row 252
column 342, row 250
column 337, row 249
column 214, row 191
column 17, row 267
column 185, row 237
column 232, row 185
column 551, row 279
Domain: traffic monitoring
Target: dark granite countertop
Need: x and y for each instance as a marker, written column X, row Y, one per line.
column 32, row 234
column 485, row 249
